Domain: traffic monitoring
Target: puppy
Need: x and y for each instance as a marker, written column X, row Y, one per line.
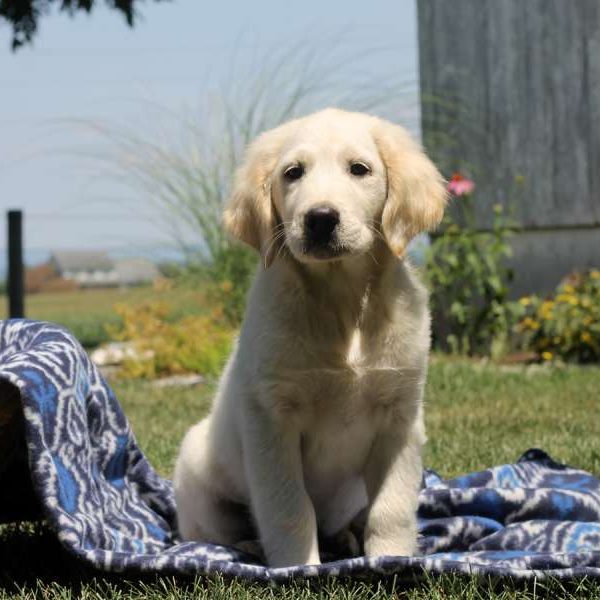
column 318, row 413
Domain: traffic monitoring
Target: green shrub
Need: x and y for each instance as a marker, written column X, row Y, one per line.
column 567, row 324
column 192, row 344
column 90, row 331
column 468, row 280
column 225, row 279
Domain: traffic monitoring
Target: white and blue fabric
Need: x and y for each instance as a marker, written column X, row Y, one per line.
column 109, row 507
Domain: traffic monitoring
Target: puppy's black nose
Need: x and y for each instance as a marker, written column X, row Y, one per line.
column 319, row 224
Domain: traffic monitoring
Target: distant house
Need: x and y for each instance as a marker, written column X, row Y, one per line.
column 136, row 271
column 87, row 268
column 97, row 269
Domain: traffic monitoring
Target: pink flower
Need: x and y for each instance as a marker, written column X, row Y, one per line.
column 460, row 186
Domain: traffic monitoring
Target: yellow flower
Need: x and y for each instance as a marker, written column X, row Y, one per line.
column 525, row 301
column 547, row 355
column 227, row 286
column 586, row 337
column 545, row 309
column 568, row 289
column 567, row 298
column 595, row 274
column 529, row 323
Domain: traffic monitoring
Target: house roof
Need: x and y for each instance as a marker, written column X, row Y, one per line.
column 136, row 270
column 81, row 260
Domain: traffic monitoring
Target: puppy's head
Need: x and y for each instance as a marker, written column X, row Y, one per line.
column 326, row 186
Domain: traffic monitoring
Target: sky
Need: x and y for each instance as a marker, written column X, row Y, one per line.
column 88, row 70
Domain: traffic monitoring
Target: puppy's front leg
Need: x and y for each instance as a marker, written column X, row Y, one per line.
column 393, row 477
column 284, row 512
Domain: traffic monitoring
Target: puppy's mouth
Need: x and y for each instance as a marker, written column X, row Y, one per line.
column 331, row 251
column 305, row 250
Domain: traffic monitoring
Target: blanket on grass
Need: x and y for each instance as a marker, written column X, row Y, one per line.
column 110, row 508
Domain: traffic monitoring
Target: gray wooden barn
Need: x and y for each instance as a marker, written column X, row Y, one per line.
column 510, row 93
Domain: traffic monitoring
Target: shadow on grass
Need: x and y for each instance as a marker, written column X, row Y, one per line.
column 32, row 559
column 34, row 564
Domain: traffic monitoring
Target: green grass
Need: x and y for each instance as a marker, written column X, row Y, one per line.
column 477, row 416
column 161, row 417
column 87, row 312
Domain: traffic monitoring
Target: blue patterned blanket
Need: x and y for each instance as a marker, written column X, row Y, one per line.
column 109, row 507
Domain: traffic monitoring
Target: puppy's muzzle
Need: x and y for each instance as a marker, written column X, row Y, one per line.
column 320, row 225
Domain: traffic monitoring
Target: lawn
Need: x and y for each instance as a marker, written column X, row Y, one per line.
column 87, row 312
column 478, row 415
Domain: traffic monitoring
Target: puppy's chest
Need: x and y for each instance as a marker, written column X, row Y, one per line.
column 357, row 382
column 333, row 448
column 345, row 407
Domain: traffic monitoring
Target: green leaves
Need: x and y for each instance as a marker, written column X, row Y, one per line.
column 23, row 15
column 468, row 282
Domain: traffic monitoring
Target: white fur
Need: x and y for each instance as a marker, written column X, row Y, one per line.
column 318, row 413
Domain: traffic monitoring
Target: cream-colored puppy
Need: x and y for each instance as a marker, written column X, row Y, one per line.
column 318, row 414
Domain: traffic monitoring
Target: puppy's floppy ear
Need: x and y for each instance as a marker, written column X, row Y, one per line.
column 249, row 215
column 416, row 192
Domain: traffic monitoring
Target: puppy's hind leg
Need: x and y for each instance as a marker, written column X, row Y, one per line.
column 208, row 518
column 202, row 513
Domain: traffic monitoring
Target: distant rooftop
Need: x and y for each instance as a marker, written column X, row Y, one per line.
column 84, row 260
column 132, row 271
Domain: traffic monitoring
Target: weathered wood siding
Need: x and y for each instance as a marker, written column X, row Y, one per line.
column 511, row 94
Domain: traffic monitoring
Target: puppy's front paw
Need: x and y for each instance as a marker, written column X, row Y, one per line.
column 253, row 548
column 397, row 543
column 344, row 544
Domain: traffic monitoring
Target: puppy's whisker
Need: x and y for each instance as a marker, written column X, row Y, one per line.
column 278, row 236
column 282, row 247
column 280, row 251
column 282, row 224
column 375, row 230
column 373, row 258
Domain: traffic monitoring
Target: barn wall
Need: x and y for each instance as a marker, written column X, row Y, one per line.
column 510, row 94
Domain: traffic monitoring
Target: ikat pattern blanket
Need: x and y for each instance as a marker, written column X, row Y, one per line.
column 110, row 508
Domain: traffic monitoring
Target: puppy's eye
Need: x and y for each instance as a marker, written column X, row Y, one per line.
column 359, row 169
column 294, row 172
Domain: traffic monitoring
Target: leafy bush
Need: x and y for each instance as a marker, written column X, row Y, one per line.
column 567, row 324
column 193, row 344
column 91, row 331
column 468, row 279
column 224, row 281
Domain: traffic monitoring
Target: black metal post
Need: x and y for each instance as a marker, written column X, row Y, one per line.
column 16, row 305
